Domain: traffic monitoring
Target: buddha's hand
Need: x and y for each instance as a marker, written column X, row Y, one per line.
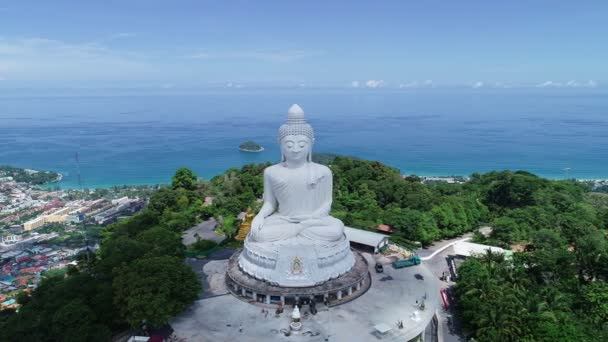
column 256, row 225
column 299, row 218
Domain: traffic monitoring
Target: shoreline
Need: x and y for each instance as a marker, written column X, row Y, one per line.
column 56, row 180
column 76, row 187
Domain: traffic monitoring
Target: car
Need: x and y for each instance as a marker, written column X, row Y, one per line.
column 379, row 268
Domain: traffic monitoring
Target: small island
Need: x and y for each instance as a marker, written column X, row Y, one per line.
column 250, row 146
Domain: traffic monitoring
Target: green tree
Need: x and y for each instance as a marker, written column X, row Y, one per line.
column 596, row 297
column 119, row 251
column 154, row 289
column 74, row 322
column 184, row 178
column 161, row 242
column 412, row 224
column 591, row 251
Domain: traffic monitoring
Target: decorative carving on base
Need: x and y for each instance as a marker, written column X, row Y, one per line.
column 293, row 264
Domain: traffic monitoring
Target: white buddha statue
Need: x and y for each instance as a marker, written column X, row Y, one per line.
column 293, row 241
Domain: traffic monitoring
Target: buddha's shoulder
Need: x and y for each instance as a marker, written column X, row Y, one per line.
column 272, row 168
column 321, row 169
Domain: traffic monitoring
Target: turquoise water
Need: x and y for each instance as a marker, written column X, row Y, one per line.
column 143, row 139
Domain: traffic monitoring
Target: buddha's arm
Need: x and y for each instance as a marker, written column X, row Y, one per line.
column 327, row 194
column 270, row 201
column 268, row 208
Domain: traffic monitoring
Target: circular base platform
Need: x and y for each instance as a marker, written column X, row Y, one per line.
column 333, row 292
column 396, row 295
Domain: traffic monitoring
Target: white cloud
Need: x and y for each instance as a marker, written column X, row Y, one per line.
column 409, row 85
column 569, row 84
column 547, row 84
column 577, row 84
column 167, row 85
column 265, row 56
column 124, row 35
column 355, row 84
column 502, row 85
column 572, row 83
column 229, row 85
column 374, row 83
column 200, row 55
column 40, row 58
column 417, row 84
column 477, row 84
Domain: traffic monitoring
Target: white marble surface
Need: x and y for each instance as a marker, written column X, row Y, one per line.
column 293, row 241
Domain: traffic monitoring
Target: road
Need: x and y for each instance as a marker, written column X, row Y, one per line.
column 205, row 230
column 198, row 266
column 435, row 257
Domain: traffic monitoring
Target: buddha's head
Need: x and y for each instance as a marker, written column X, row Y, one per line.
column 296, row 137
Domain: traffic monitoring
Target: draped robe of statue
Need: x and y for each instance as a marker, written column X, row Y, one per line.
column 304, row 198
column 298, row 244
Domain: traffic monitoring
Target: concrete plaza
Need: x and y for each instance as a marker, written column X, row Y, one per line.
column 394, row 295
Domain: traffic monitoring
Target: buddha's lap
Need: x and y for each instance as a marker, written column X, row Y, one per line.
column 325, row 229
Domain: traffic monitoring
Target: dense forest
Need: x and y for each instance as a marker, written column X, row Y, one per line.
column 26, row 176
column 554, row 289
column 366, row 194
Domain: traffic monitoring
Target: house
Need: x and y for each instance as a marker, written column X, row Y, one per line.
column 384, row 228
column 22, row 281
column 30, row 270
column 366, row 240
column 467, row 249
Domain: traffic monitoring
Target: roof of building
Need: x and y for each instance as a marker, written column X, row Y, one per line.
column 30, row 270
column 364, row 237
column 385, row 228
column 23, row 280
column 465, row 248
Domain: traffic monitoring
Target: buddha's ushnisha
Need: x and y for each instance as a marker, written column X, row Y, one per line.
column 297, row 192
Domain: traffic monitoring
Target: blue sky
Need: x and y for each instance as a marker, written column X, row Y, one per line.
column 308, row 43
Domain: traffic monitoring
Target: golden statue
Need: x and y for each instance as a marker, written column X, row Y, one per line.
column 245, row 225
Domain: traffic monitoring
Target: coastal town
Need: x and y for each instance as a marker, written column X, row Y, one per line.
column 45, row 230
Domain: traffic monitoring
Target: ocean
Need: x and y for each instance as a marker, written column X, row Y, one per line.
column 142, row 139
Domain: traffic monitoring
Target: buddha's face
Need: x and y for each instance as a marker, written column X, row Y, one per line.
column 295, row 147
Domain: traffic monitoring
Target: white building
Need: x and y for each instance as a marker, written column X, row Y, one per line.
column 467, row 249
column 366, row 239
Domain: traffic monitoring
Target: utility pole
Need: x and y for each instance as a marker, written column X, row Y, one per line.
column 567, row 170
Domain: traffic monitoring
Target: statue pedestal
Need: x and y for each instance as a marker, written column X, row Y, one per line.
column 291, row 263
column 342, row 289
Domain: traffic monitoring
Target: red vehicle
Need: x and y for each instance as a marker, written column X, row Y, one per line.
column 444, row 298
